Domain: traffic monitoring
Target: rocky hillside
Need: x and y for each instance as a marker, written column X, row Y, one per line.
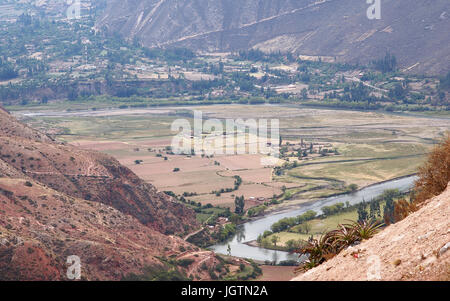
column 417, row 248
column 415, row 31
column 88, row 175
column 40, row 228
column 57, row 201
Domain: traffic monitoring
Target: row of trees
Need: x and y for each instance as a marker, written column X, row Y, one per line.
column 289, row 222
column 386, row 64
column 372, row 210
column 237, row 184
column 366, row 211
column 226, row 232
column 239, row 203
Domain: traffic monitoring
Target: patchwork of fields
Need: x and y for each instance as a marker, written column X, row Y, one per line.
column 371, row 147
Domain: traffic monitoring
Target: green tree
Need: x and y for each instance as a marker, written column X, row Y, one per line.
column 304, row 94
column 362, row 213
column 239, row 203
column 386, row 64
column 235, row 219
column 388, row 213
column 305, row 228
column 275, row 239
column 374, row 210
column 353, row 187
column 291, row 245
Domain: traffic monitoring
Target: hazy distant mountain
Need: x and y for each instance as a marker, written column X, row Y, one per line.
column 417, row 32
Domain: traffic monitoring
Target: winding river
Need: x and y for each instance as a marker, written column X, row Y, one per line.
column 250, row 230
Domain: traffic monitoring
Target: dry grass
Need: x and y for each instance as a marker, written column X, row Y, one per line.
column 434, row 175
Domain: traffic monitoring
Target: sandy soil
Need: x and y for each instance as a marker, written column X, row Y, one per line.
column 276, row 273
column 261, row 175
column 241, row 162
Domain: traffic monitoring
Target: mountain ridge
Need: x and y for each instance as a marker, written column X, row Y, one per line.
column 414, row 32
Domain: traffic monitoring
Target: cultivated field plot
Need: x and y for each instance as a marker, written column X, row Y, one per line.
column 317, row 228
column 370, row 147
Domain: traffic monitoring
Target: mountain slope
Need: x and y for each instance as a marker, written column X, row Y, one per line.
column 416, row 248
column 57, row 201
column 415, row 31
column 88, row 175
column 40, row 228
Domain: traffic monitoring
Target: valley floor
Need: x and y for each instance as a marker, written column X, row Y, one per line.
column 371, row 147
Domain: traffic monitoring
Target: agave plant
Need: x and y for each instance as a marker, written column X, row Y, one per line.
column 319, row 250
column 343, row 237
column 307, row 265
column 332, row 243
column 366, row 229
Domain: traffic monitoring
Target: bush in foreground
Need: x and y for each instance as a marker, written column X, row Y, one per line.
column 434, row 175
